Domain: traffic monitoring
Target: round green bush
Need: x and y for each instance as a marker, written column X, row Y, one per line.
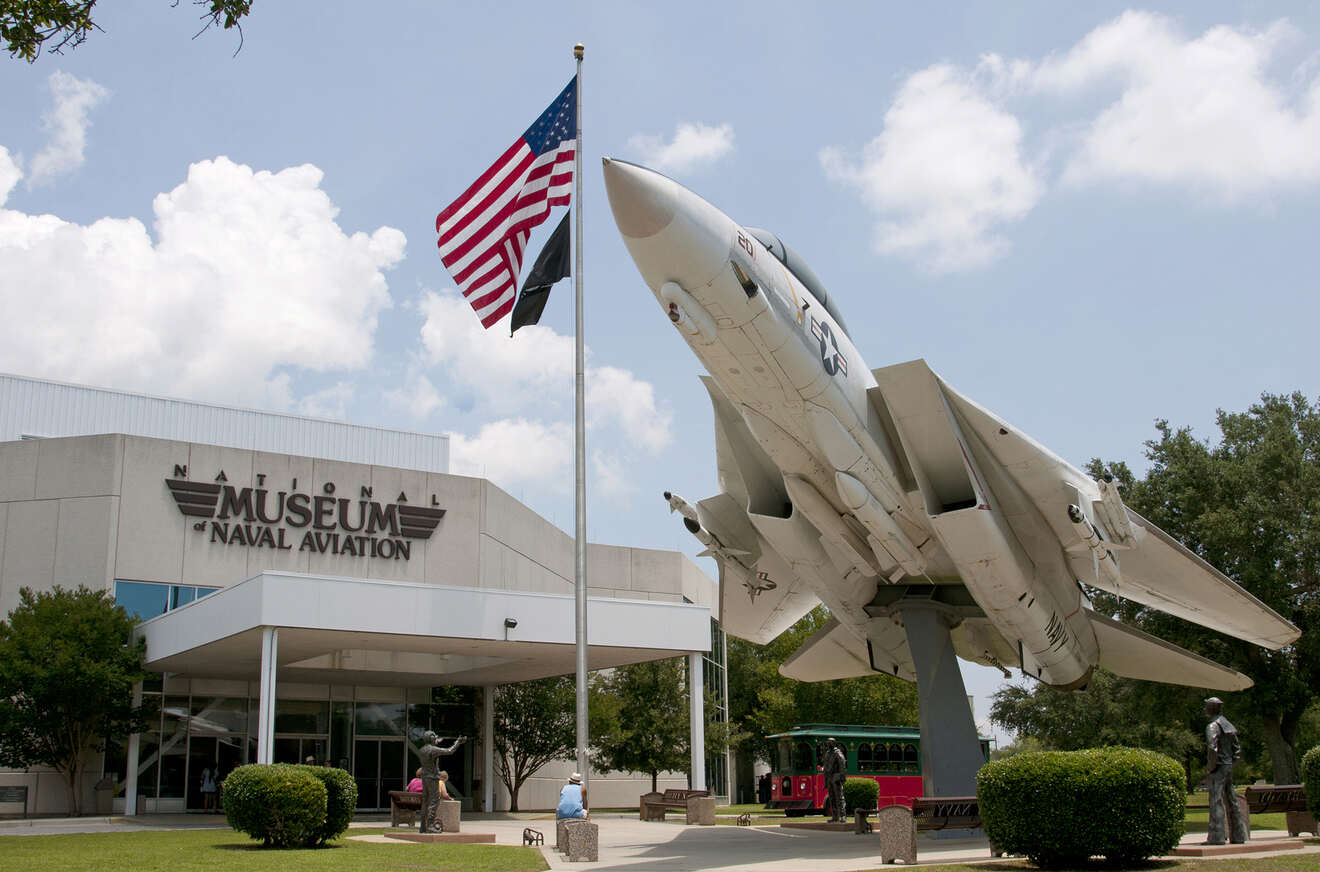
column 341, row 795
column 1311, row 779
column 283, row 805
column 1062, row 807
column 860, row 793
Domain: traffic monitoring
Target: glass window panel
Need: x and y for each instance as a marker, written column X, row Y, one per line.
column 341, row 733
column 142, row 599
column 215, row 715
column 454, row 719
column 174, row 747
column 115, row 763
column 286, row 751
column 864, row 762
column 148, row 764
column 302, row 716
column 802, row 758
column 181, row 596
column 203, row 591
column 380, row 719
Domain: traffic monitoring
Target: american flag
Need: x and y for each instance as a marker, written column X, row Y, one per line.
column 483, row 233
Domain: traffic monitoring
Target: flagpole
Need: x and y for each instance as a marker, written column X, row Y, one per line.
column 580, row 449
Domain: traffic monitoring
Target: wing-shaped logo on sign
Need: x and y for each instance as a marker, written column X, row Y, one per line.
column 418, row 522
column 197, row 499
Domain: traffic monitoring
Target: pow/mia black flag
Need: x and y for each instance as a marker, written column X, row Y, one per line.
column 552, row 264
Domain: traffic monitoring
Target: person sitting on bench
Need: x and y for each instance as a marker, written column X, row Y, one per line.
column 572, row 799
column 415, row 786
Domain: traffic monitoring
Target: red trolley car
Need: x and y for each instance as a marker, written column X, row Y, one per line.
column 890, row 755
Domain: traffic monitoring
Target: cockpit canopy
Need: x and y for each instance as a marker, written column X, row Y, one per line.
column 798, row 267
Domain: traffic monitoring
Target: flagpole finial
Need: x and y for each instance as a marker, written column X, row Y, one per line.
column 578, row 50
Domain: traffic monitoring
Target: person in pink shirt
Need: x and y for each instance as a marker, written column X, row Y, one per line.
column 415, row 786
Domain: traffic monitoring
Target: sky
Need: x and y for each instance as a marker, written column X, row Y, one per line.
column 1086, row 217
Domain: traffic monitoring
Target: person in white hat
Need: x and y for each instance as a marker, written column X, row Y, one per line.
column 572, row 799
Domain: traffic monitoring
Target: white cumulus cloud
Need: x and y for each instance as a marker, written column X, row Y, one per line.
column 418, row 397
column 1203, row 111
column 67, row 124
column 516, row 451
column 331, row 402
column 692, row 146
column 248, row 277
column 534, row 369
column 945, row 173
column 10, row 174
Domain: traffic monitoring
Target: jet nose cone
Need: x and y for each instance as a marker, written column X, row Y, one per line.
column 642, row 201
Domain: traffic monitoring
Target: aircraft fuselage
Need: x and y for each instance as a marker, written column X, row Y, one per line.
column 847, row 515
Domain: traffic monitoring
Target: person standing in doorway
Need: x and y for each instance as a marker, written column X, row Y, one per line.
column 209, row 790
column 1222, row 749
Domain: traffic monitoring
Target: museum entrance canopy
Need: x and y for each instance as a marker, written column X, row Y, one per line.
column 366, row 631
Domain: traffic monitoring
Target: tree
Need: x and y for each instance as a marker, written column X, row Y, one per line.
column 29, row 26
column 762, row 702
column 1248, row 506
column 534, row 723
column 640, row 720
column 68, row 664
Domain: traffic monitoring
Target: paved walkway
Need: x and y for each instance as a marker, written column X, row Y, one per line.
column 629, row 844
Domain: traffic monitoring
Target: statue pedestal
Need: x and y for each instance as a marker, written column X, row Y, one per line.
column 448, row 816
column 701, row 810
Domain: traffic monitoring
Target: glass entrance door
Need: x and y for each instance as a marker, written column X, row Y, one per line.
column 221, row 755
column 378, row 769
column 296, row 749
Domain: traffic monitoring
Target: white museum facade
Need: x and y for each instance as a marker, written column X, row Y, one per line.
column 310, row 588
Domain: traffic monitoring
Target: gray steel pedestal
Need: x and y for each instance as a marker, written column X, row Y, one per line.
column 950, row 747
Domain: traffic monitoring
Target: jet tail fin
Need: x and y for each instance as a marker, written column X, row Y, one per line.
column 1129, row 652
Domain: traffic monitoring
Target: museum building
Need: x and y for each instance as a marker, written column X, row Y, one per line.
column 315, row 589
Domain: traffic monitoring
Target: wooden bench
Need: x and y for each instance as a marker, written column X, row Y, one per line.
column 652, row 806
column 1287, row 798
column 404, row 807
column 949, row 813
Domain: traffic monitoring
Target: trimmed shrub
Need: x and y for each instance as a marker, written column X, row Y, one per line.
column 282, row 805
column 1062, row 807
column 341, row 795
column 1311, row 779
column 860, row 793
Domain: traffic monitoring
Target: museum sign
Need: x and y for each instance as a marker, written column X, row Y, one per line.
column 285, row 519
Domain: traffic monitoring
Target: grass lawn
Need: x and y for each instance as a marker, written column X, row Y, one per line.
column 755, row 808
column 210, row 850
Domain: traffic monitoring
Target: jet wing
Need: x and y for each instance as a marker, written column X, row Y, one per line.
column 1131, row 653
column 758, row 604
column 1159, row 572
column 834, row 652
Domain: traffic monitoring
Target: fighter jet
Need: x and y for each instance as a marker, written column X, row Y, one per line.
column 926, row 524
